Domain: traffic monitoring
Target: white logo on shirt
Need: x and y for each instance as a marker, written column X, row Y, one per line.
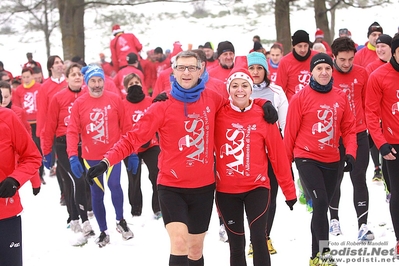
column 29, row 103
column 99, row 124
column 326, row 126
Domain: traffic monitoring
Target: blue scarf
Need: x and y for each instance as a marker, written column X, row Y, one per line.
column 320, row 88
column 187, row 95
column 273, row 65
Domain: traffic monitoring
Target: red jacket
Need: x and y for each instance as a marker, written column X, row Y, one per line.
column 315, row 123
column 186, row 159
column 49, row 88
column 15, row 141
column 120, row 76
column 133, row 113
column 293, row 75
column 98, row 122
column 241, row 141
column 59, row 113
column 26, row 98
column 382, row 103
column 354, row 84
column 121, row 45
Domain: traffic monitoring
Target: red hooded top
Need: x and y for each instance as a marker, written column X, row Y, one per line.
column 15, row 141
column 122, row 45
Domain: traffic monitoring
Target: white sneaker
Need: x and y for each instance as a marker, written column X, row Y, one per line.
column 335, row 228
column 87, row 230
column 365, row 234
column 223, row 234
column 75, row 226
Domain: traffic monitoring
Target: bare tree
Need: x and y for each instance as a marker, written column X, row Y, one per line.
column 42, row 16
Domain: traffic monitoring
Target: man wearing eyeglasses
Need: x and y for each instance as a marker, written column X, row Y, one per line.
column 186, row 181
column 368, row 54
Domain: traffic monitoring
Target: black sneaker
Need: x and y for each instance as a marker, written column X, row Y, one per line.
column 102, row 240
column 122, row 228
column 377, row 175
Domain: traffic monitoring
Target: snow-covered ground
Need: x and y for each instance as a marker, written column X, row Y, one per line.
column 164, row 32
column 47, row 241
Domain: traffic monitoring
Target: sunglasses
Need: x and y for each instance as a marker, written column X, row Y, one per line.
column 375, row 28
column 343, row 31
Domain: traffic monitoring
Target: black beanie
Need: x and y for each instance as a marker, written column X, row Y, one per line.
column 208, row 45
column 225, row 46
column 320, row 58
column 300, row 36
column 374, row 27
column 257, row 46
column 132, row 58
column 394, row 45
column 384, row 38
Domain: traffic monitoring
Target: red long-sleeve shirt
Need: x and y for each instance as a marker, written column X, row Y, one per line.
column 365, row 56
column 315, row 122
column 98, row 122
column 58, row 117
column 354, row 84
column 241, row 140
column 186, row 142
column 49, row 88
column 26, row 98
column 15, row 141
column 382, row 103
column 293, row 75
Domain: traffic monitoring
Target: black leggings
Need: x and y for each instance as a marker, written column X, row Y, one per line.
column 231, row 209
column 36, row 140
column 392, row 167
column 150, row 158
column 74, row 188
column 320, row 180
column 358, row 178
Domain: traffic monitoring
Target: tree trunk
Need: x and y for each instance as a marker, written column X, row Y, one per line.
column 72, row 27
column 282, row 19
column 320, row 12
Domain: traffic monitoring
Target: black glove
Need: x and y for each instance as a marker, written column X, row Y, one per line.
column 36, row 190
column 349, row 163
column 95, row 171
column 291, row 203
column 270, row 113
column 160, row 97
column 386, row 149
column 8, row 187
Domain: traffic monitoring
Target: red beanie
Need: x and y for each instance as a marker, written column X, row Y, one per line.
column 319, row 34
column 116, row 29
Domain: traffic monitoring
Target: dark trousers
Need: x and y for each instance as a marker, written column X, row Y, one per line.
column 74, row 188
column 150, row 158
column 358, row 178
column 37, row 142
column 320, row 180
column 11, row 241
column 231, row 209
column 392, row 167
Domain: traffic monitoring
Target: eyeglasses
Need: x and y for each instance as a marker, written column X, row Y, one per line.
column 343, row 31
column 182, row 68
